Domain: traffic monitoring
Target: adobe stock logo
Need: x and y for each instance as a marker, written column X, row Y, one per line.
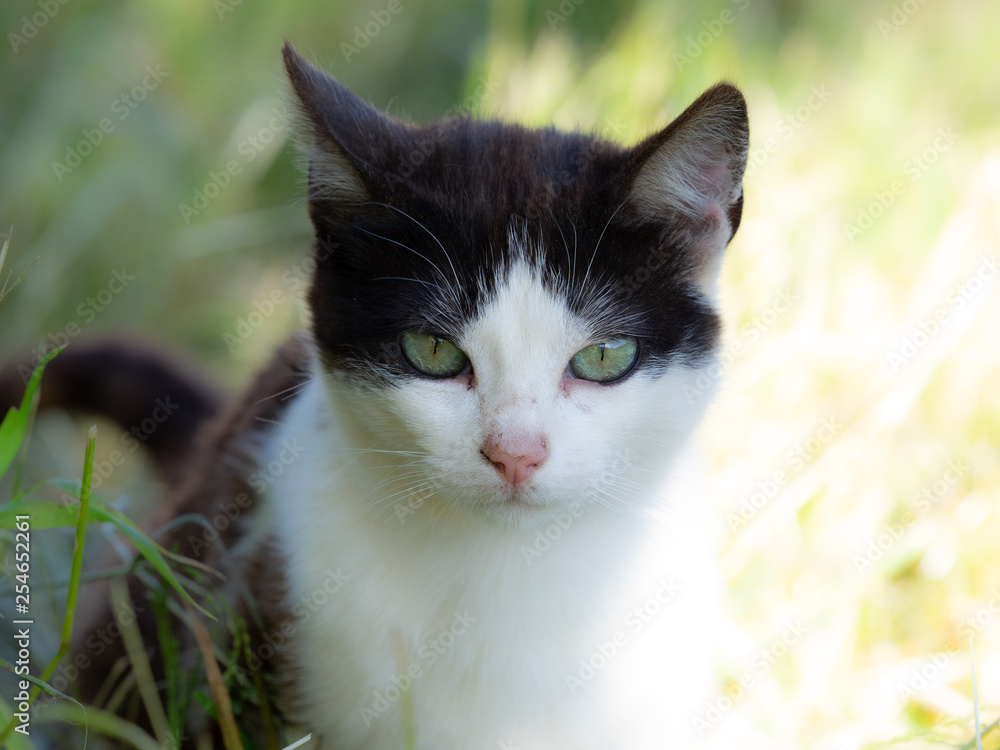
column 710, row 32
column 914, row 168
column 30, row 26
column 921, row 502
column 636, row 620
column 122, row 106
column 929, row 325
column 363, row 35
column 249, row 148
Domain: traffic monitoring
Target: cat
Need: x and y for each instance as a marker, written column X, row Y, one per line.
column 460, row 503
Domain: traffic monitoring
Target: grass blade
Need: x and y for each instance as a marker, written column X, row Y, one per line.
column 149, row 549
column 6, row 244
column 5, row 290
column 35, row 681
column 220, row 695
column 107, row 724
column 55, row 516
column 975, row 696
column 132, row 639
column 74, row 580
column 14, row 427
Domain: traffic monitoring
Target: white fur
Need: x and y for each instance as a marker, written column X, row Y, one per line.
column 469, row 548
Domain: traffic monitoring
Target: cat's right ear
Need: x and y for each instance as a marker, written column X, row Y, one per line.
column 338, row 132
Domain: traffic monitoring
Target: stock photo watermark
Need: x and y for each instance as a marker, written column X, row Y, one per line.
column 787, row 125
column 130, row 439
column 365, row 33
column 749, row 334
column 562, row 522
column 122, row 106
column 93, row 646
column 900, row 16
column 302, row 611
column 247, row 325
column 258, row 480
column 920, row 504
column 438, row 133
column 710, row 32
column 605, row 650
column 223, row 8
column 936, row 666
column 427, row 655
column 249, row 148
column 928, row 326
column 562, row 13
column 796, row 459
column 759, row 664
column 296, row 278
column 87, row 311
column 914, row 168
column 33, row 24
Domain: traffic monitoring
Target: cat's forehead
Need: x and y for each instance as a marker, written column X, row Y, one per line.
column 503, row 166
column 525, row 325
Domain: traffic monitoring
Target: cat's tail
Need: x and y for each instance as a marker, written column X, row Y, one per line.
column 157, row 397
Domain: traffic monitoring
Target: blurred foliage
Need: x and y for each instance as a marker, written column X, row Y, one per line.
column 871, row 199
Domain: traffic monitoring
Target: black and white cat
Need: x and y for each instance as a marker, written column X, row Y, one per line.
column 500, row 389
column 475, row 531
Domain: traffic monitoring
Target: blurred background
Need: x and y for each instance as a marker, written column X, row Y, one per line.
column 853, row 448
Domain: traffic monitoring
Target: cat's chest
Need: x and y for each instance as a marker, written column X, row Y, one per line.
column 477, row 635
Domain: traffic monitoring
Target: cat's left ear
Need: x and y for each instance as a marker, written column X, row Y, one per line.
column 694, row 167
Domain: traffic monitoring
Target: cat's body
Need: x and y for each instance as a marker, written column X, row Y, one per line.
column 588, row 626
column 459, row 504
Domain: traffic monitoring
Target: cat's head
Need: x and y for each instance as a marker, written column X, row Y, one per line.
column 518, row 311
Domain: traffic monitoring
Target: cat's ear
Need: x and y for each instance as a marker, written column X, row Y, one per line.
column 694, row 167
column 338, row 131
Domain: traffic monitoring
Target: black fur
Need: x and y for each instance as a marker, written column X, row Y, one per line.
column 130, row 381
column 424, row 236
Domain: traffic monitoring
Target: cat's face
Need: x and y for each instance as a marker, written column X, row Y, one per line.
column 521, row 314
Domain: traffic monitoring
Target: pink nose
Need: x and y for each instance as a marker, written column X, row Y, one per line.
column 516, row 459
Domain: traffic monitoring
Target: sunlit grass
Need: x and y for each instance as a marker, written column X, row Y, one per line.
column 852, row 299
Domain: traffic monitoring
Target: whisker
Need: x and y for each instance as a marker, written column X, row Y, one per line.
column 395, row 479
column 569, row 261
column 573, row 224
column 405, row 508
column 406, row 278
column 407, row 247
column 407, row 490
column 418, row 489
column 594, row 254
column 385, row 450
column 447, row 257
column 297, row 387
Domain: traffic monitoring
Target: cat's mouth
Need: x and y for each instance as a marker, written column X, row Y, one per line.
column 517, row 507
column 522, row 502
column 521, row 496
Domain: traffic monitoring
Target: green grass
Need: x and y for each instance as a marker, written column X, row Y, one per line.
column 611, row 68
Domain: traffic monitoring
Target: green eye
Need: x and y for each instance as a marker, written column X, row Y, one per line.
column 433, row 355
column 605, row 362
